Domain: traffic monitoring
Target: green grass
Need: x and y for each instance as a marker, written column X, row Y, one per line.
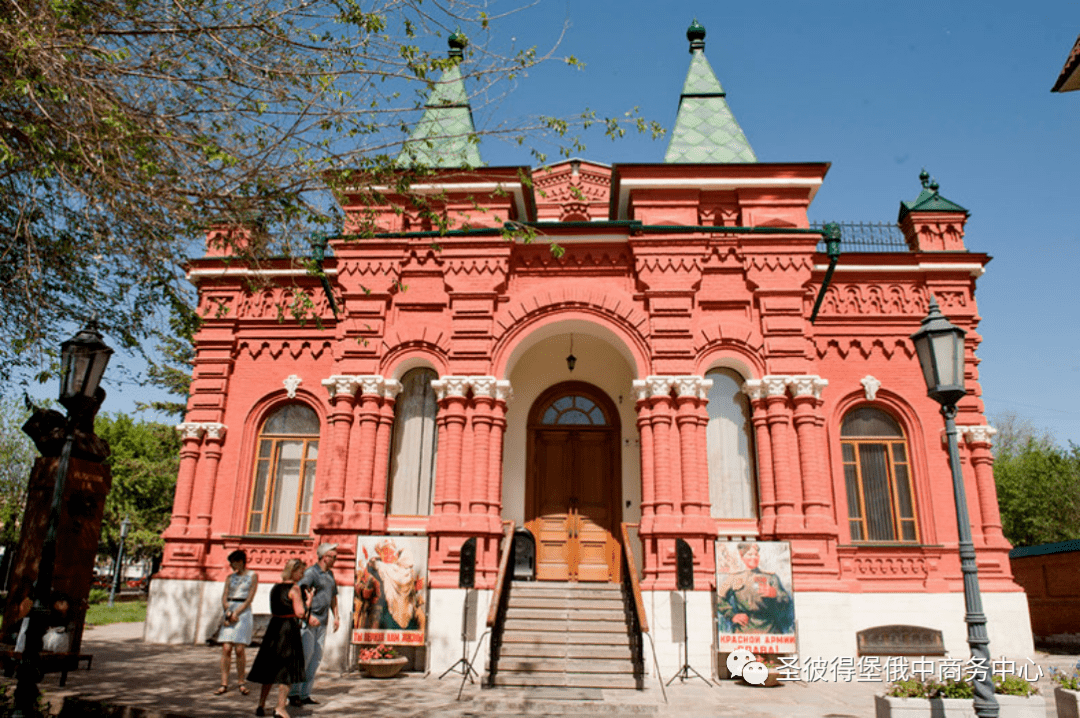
column 99, row 614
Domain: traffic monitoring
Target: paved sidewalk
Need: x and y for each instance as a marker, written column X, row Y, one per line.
column 157, row 681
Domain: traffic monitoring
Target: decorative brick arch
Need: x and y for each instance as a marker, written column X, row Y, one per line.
column 613, row 310
column 433, row 341
column 403, row 358
column 260, row 412
column 914, row 431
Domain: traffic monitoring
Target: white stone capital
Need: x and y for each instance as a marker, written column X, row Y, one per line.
column 641, row 389
column 754, row 388
column 977, row 434
column 659, row 385
column 190, row 430
column 503, row 391
column 776, row 384
column 214, row 430
column 391, row 387
column 370, row 383
column 807, row 385
column 483, row 385
column 341, row 384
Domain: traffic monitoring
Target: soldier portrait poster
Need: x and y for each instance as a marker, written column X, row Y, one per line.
column 389, row 602
column 755, row 604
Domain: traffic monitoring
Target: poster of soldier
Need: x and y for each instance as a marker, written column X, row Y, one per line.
column 754, row 600
column 391, row 589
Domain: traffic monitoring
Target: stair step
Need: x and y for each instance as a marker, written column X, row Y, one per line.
column 609, row 603
column 561, row 650
column 576, row 680
column 566, row 613
column 564, row 665
column 570, row 627
column 564, row 638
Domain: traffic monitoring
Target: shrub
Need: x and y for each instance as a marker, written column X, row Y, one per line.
column 97, row 595
column 1068, row 681
column 952, row 688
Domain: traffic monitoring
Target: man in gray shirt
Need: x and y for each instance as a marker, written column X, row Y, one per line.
column 320, row 579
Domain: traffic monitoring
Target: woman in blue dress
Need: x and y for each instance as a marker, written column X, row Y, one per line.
column 281, row 656
column 236, row 630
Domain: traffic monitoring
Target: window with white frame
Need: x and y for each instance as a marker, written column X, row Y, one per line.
column 286, row 451
column 877, row 474
column 415, row 445
column 732, row 491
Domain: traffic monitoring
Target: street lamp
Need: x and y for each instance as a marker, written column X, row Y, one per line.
column 940, row 347
column 83, row 361
column 124, row 526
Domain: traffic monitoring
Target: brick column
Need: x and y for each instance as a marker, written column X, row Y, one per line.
column 191, row 437
column 759, row 410
column 779, row 419
column 360, row 482
column 480, row 424
column 979, row 443
column 451, row 392
column 648, row 475
column 664, row 471
column 203, row 494
column 381, row 474
column 503, row 394
column 341, row 389
column 817, row 506
column 691, row 397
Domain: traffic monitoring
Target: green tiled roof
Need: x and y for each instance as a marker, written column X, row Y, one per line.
column 445, row 135
column 705, row 130
column 929, row 200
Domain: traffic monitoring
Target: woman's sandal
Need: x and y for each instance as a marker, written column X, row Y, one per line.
column 222, row 690
column 242, row 687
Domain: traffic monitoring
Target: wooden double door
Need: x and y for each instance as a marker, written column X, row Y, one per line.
column 573, row 497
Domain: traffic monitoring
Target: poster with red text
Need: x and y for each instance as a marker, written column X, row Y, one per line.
column 389, row 602
column 754, row 601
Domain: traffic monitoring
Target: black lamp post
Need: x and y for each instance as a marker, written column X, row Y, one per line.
column 83, row 361
column 940, row 347
column 117, row 570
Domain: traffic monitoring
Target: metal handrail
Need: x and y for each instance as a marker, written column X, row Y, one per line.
column 638, row 602
column 635, row 584
column 500, row 578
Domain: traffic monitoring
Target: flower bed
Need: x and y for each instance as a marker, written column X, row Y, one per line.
column 953, row 699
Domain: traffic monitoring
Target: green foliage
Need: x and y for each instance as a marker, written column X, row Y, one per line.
column 1038, row 488
column 144, row 463
column 97, row 595
column 130, row 128
column 101, row 614
column 17, row 455
column 1068, row 681
column 1009, row 685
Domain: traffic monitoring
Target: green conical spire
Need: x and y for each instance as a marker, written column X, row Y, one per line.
column 705, row 130
column 444, row 137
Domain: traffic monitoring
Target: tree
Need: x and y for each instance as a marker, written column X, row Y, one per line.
column 144, row 462
column 1038, row 485
column 17, row 455
column 129, row 126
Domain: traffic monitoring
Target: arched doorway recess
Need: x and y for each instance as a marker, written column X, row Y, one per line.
column 573, row 491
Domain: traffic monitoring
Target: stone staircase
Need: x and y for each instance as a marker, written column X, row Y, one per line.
column 566, row 635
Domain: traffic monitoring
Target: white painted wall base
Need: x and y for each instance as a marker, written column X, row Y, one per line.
column 188, row 612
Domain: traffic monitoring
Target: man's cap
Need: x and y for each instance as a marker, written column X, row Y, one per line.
column 325, row 548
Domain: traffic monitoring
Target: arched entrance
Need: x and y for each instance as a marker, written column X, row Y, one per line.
column 573, row 489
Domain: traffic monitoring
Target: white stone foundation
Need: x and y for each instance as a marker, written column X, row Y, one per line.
column 189, row 612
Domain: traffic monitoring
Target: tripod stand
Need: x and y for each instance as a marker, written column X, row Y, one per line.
column 466, row 667
column 684, row 673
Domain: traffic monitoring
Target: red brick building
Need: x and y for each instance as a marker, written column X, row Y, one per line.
column 703, row 403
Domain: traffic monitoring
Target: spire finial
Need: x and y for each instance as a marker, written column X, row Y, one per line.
column 696, row 35
column 457, row 43
column 924, row 177
column 933, row 185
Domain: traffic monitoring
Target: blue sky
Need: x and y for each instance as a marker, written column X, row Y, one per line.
column 880, row 90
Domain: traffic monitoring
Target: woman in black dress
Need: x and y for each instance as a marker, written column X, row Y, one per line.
column 281, row 656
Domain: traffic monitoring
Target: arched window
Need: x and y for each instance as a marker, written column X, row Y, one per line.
column 878, row 477
column 415, row 445
column 731, row 465
column 574, row 410
column 288, row 446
